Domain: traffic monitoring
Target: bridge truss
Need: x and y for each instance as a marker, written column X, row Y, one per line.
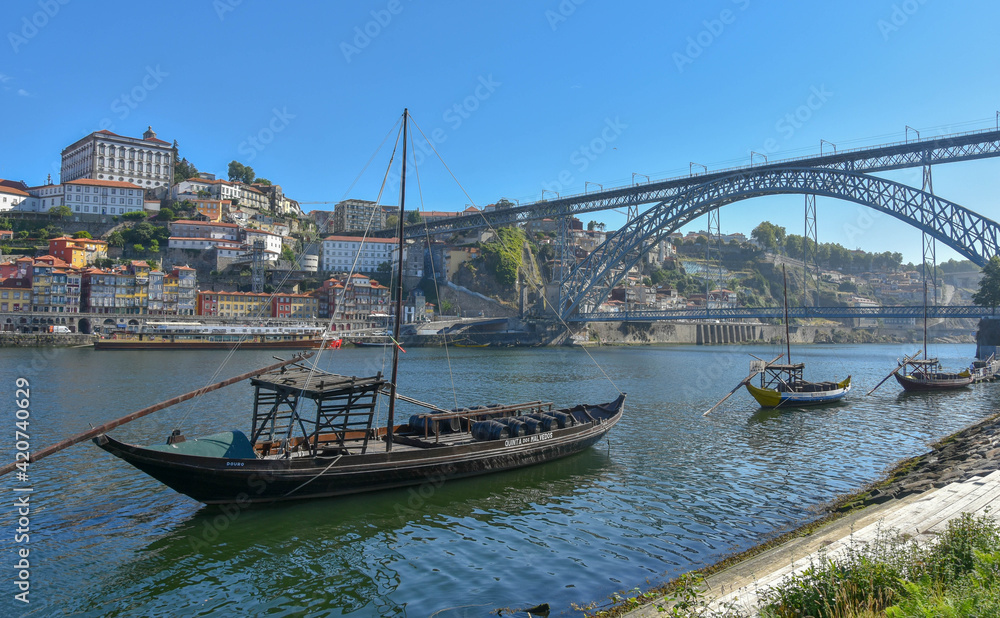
column 971, row 235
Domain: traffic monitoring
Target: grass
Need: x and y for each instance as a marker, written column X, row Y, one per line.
column 893, row 577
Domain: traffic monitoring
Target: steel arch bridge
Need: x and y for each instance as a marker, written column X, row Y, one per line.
column 971, row 235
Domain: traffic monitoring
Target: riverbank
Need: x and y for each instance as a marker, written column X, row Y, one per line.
column 45, row 340
column 716, row 333
column 958, row 461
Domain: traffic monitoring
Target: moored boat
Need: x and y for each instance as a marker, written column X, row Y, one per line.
column 927, row 375
column 197, row 336
column 314, row 434
column 783, row 386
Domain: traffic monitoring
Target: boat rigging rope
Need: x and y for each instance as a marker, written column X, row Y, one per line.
column 316, row 476
column 497, row 235
column 437, row 290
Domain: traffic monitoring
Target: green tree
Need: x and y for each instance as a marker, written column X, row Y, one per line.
column 183, row 170
column 166, row 214
column 116, row 239
column 770, row 236
column 23, row 234
column 392, row 221
column 263, row 181
column 240, row 173
column 413, row 217
column 61, row 211
column 502, row 255
column 138, row 248
column 82, row 234
column 988, row 294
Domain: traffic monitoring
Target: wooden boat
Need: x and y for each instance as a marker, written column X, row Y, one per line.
column 314, row 434
column 927, row 375
column 783, row 385
column 341, row 452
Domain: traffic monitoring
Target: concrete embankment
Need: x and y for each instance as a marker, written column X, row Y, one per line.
column 44, row 340
column 724, row 333
column 937, row 478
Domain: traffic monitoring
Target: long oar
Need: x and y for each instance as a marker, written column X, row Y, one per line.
column 96, row 431
column 894, row 371
column 744, row 381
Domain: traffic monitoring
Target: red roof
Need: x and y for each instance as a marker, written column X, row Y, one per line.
column 6, row 189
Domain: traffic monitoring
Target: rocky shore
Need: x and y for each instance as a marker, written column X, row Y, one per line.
column 974, row 451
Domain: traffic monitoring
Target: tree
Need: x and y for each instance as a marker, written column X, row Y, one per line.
column 989, row 286
column 240, row 173
column 263, row 181
column 82, row 234
column 116, row 239
column 392, row 221
column 413, row 217
column 183, row 170
column 166, row 214
column 139, row 249
column 770, row 236
column 61, row 211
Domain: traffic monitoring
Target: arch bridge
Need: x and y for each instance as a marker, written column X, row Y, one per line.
column 971, row 235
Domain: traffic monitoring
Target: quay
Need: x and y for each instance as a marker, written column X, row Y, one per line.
column 961, row 474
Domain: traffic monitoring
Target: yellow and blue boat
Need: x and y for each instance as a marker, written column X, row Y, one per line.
column 783, row 386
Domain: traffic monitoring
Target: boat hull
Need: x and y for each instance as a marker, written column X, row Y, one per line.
column 218, row 480
column 934, row 383
column 771, row 398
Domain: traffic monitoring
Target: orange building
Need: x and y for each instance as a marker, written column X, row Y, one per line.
column 78, row 252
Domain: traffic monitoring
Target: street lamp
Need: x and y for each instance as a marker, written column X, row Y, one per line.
column 821, row 146
column 906, row 135
column 634, row 174
column 691, row 168
column 550, row 191
column 587, row 182
column 752, row 153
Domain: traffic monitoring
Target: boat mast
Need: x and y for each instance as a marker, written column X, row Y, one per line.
column 399, row 295
column 788, row 342
column 925, row 312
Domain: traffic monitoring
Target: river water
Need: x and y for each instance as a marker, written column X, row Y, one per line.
column 669, row 491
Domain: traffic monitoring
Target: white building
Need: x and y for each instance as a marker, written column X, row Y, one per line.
column 205, row 229
column 11, row 198
column 272, row 242
column 101, row 197
column 103, row 155
column 349, row 253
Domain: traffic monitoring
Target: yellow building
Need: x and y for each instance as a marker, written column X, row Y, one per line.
column 211, row 208
column 234, row 304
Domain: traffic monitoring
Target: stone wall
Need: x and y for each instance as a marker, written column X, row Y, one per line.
column 34, row 340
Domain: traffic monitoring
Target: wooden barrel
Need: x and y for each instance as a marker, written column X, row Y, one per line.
column 490, row 430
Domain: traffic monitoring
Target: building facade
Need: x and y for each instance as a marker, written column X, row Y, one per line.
column 343, row 254
column 147, row 162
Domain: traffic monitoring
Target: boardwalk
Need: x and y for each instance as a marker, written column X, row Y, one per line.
column 921, row 517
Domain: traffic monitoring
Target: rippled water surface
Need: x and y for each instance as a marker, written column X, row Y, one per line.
column 670, row 490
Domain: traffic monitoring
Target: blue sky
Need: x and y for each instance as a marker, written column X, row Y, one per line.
column 512, row 93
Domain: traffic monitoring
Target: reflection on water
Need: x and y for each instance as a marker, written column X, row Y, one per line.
column 670, row 490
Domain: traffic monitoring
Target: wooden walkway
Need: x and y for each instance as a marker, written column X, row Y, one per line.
column 920, row 517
